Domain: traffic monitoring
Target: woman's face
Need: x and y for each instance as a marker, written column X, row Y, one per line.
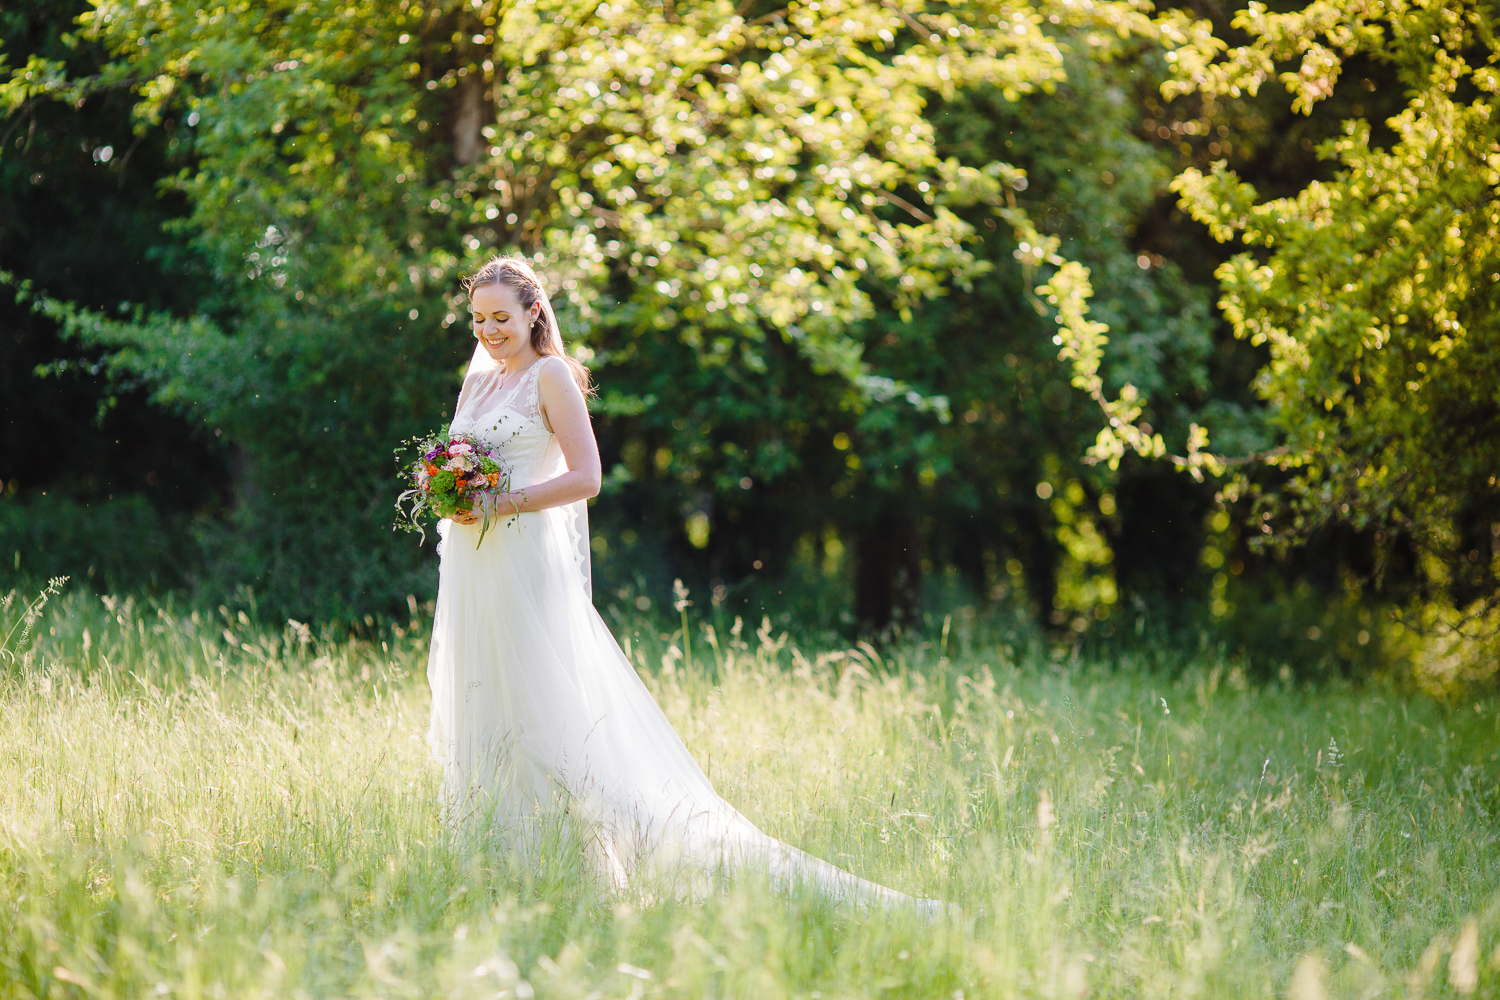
column 501, row 323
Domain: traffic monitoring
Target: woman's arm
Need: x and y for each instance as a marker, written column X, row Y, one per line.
column 567, row 415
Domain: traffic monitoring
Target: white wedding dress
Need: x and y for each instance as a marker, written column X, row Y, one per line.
column 536, row 710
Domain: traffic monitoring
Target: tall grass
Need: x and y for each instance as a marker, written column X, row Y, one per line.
column 191, row 805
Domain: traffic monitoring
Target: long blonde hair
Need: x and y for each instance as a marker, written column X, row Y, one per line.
column 546, row 338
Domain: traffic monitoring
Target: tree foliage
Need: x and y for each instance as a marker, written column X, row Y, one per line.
column 1373, row 290
column 81, row 216
column 823, row 259
column 721, row 194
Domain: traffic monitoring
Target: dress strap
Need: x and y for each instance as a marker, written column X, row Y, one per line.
column 530, row 388
column 474, row 383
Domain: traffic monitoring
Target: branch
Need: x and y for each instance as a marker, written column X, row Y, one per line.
column 912, row 22
column 903, row 203
column 764, row 18
column 610, row 217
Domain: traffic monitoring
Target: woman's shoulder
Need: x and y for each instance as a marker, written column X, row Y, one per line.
column 556, row 385
column 553, row 370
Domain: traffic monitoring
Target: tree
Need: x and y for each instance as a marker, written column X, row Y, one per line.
column 81, row 216
column 735, row 182
column 1373, row 291
column 1001, row 493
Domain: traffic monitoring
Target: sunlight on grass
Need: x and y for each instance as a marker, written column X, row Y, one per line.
column 191, row 805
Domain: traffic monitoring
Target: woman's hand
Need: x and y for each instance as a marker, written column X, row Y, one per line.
column 498, row 506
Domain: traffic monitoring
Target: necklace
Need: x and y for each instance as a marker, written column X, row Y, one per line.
column 506, row 373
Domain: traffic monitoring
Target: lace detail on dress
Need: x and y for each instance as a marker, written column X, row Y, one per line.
column 528, row 392
column 576, row 517
column 489, row 391
column 507, row 414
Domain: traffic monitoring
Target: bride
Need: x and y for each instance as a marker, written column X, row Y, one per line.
column 535, row 708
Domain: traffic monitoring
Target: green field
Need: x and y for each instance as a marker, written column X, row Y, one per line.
column 195, row 806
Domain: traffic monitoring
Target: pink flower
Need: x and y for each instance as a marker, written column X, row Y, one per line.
column 460, row 448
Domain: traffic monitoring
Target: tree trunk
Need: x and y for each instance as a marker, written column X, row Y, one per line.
column 468, row 140
column 888, row 572
column 1038, row 551
column 1161, row 539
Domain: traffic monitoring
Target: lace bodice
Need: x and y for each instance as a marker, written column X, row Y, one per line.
column 506, row 413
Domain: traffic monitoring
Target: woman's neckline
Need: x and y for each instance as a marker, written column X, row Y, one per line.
column 507, row 375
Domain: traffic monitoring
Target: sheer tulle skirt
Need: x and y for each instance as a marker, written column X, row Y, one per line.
column 536, row 713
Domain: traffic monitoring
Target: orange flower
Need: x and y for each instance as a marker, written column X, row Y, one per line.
column 494, row 478
column 433, row 470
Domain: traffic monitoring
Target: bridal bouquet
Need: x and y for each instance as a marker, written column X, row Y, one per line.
column 454, row 473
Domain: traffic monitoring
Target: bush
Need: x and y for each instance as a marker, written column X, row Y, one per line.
column 119, row 544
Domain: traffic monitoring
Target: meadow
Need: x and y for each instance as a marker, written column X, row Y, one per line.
column 196, row 805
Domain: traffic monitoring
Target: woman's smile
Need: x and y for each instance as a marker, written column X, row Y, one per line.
column 502, row 323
